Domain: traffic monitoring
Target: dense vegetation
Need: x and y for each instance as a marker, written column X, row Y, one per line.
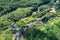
column 7, row 6
column 24, row 12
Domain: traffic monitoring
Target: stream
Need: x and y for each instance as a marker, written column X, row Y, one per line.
column 17, row 32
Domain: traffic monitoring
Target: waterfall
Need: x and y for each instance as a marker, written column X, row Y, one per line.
column 38, row 9
column 57, row 1
column 17, row 33
column 53, row 9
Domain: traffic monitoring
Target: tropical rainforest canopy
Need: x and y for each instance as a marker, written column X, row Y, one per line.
column 43, row 15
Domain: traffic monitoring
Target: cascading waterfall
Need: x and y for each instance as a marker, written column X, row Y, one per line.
column 17, row 33
column 53, row 7
column 57, row 1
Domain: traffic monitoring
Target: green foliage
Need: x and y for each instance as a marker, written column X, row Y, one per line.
column 7, row 35
column 49, row 31
column 25, row 12
column 20, row 13
column 7, row 19
column 4, row 23
column 37, row 14
column 7, row 6
column 24, row 22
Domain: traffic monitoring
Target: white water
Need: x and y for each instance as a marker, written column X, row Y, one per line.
column 38, row 9
column 53, row 10
column 32, row 23
column 16, row 31
column 53, row 7
column 57, row 1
